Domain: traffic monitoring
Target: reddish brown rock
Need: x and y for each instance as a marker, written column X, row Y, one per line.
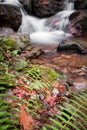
column 45, row 8
column 10, row 16
column 78, row 23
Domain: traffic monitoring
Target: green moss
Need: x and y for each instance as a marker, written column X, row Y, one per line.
column 8, row 43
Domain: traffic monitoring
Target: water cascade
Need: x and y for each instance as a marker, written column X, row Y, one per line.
column 45, row 32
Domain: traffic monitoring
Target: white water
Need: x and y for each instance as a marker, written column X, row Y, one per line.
column 48, row 40
column 13, row 2
column 48, row 32
column 69, row 5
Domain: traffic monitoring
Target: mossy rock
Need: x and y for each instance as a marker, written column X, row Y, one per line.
column 8, row 43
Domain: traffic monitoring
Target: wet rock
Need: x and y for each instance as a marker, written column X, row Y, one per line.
column 80, row 4
column 35, row 52
column 45, row 8
column 5, row 31
column 77, row 44
column 10, row 16
column 78, row 23
column 23, row 40
column 8, row 43
column 27, row 5
column 31, row 52
column 15, row 41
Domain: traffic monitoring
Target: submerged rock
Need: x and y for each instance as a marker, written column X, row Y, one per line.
column 10, row 16
column 78, row 23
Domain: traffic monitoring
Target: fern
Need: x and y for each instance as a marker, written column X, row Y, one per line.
column 7, row 119
column 73, row 114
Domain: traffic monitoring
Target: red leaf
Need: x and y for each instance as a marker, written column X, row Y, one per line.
column 50, row 99
column 25, row 119
column 62, row 88
column 20, row 92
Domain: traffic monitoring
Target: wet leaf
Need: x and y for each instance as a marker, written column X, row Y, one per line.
column 26, row 120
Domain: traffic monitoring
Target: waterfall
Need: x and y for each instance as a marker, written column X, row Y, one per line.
column 47, row 32
column 69, row 7
column 32, row 24
column 13, row 2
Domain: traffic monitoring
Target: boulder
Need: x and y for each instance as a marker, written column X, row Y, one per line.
column 46, row 8
column 80, row 4
column 15, row 41
column 78, row 23
column 10, row 16
column 78, row 44
column 22, row 40
column 5, row 31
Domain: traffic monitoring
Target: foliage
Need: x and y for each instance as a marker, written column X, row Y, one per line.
column 41, row 100
column 41, row 76
column 6, row 78
column 72, row 114
column 7, row 118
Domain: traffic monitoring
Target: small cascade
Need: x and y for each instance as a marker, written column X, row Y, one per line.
column 30, row 24
column 13, row 2
column 43, row 30
column 69, row 5
column 69, row 8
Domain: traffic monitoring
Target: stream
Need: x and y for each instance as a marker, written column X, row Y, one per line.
column 43, row 70
column 47, row 33
column 72, row 63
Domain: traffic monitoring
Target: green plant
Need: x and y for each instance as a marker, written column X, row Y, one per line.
column 72, row 115
column 7, row 112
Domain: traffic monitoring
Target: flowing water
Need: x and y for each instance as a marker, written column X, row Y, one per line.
column 48, row 31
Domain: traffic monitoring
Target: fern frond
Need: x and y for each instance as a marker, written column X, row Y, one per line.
column 73, row 114
column 7, row 121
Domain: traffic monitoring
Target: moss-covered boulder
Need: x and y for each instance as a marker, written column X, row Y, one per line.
column 23, row 40
column 8, row 43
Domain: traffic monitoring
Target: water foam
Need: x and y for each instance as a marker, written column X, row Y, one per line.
column 48, row 32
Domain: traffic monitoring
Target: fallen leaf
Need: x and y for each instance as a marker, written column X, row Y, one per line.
column 25, row 119
column 62, row 88
column 20, row 92
column 50, row 99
